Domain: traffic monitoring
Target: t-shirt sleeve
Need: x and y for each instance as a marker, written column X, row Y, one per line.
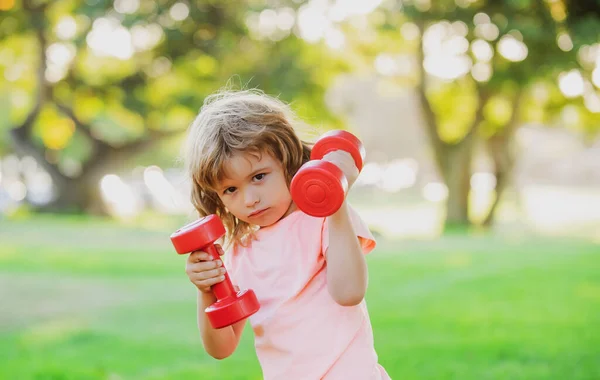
column 364, row 235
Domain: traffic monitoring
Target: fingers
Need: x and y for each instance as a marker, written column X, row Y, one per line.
column 204, row 271
column 198, row 256
column 207, row 274
column 205, row 256
column 338, row 156
column 206, row 283
column 203, row 266
column 341, row 159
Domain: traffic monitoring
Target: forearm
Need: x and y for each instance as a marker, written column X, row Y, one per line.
column 347, row 273
column 218, row 343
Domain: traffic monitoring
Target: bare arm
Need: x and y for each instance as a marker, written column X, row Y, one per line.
column 204, row 272
column 218, row 343
column 347, row 274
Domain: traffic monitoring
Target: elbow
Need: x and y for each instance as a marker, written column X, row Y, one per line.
column 219, row 344
column 349, row 298
column 348, row 293
column 220, row 355
column 350, row 301
column 220, row 352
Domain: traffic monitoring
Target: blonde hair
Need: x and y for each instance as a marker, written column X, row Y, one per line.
column 231, row 122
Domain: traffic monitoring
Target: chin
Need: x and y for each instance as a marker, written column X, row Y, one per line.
column 274, row 219
column 268, row 222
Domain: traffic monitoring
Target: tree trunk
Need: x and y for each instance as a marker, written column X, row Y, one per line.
column 74, row 195
column 77, row 195
column 456, row 172
column 501, row 182
column 453, row 160
column 500, row 149
column 82, row 193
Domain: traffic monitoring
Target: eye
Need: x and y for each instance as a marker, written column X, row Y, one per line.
column 260, row 176
column 229, row 190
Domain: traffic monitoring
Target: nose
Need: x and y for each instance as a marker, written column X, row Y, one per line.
column 251, row 196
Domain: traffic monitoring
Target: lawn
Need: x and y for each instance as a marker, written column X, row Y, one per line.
column 87, row 299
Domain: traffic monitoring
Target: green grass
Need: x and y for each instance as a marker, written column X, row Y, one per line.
column 87, row 299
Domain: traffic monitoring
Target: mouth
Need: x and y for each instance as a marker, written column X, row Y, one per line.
column 257, row 213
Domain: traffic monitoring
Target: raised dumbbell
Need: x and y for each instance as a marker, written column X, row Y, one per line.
column 231, row 306
column 319, row 187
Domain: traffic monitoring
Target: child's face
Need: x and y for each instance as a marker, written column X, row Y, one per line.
column 254, row 189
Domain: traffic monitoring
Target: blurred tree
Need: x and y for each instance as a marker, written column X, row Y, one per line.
column 486, row 67
column 92, row 84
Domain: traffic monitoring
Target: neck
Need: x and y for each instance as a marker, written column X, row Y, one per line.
column 290, row 209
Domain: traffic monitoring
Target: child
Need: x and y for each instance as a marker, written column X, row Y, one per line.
column 309, row 274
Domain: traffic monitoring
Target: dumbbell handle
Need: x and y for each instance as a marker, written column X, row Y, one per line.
column 224, row 288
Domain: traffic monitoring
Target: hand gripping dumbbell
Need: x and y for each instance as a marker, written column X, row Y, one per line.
column 319, row 187
column 231, row 306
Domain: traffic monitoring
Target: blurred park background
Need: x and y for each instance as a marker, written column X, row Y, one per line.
column 481, row 122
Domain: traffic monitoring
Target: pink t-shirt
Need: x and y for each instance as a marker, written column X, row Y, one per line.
column 300, row 331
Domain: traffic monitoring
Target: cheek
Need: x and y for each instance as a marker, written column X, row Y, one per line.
column 226, row 201
column 283, row 188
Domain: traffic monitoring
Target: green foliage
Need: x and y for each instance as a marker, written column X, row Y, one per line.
column 52, row 129
column 157, row 87
column 4, row 121
column 539, row 25
column 453, row 101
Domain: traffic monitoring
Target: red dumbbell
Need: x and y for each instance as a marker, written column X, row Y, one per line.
column 231, row 306
column 319, row 187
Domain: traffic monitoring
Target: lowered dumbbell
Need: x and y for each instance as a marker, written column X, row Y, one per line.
column 319, row 187
column 231, row 306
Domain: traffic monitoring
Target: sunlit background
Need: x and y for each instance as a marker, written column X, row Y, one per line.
column 479, row 118
column 452, row 50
